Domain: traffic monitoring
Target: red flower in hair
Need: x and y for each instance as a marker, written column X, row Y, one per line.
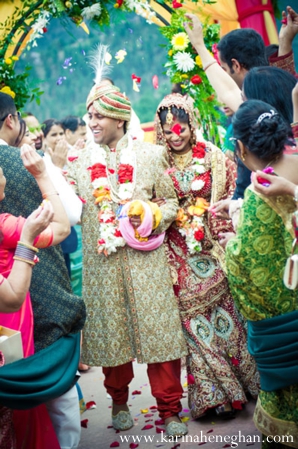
column 117, row 233
column 97, row 171
column 125, row 173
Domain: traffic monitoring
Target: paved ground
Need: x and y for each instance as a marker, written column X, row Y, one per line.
column 210, row 432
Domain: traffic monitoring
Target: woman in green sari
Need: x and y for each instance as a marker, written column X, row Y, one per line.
column 256, row 260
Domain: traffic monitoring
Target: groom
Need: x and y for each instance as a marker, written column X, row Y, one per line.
column 131, row 308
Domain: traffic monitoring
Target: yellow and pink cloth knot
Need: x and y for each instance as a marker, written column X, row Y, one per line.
column 141, row 237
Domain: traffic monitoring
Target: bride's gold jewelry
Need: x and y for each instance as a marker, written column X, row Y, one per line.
column 170, row 117
column 181, row 161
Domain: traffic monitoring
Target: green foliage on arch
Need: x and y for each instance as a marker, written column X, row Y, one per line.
column 33, row 18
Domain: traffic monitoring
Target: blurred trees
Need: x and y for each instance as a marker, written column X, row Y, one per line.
column 145, row 58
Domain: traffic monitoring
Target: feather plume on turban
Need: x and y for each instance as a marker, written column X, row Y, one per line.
column 105, row 97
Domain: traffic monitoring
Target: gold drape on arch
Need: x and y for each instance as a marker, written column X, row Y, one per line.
column 223, row 11
column 7, row 9
column 226, row 13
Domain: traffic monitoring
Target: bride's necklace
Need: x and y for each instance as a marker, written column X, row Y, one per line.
column 181, row 161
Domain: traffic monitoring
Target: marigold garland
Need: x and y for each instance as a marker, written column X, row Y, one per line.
column 190, row 223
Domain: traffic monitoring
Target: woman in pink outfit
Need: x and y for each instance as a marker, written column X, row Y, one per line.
column 20, row 239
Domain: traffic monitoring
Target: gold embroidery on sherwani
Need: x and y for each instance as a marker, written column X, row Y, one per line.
column 131, row 308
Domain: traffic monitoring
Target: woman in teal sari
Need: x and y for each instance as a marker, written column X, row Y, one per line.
column 256, row 260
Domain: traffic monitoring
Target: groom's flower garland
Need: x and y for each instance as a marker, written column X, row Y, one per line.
column 110, row 237
column 191, row 225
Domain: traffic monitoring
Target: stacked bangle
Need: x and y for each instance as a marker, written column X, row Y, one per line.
column 26, row 253
column 45, row 195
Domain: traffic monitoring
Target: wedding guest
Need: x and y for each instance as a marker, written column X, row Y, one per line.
column 265, row 235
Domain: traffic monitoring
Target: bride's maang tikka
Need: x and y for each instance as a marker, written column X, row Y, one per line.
column 170, row 117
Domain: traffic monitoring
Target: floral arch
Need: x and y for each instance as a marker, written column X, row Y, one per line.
column 25, row 21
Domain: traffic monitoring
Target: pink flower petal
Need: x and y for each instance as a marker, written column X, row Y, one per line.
column 147, row 427
column 136, row 392
column 159, row 422
column 115, row 444
column 159, row 430
column 190, row 379
column 90, row 405
column 210, row 431
column 148, row 415
column 155, row 81
column 153, row 407
column 84, row 423
column 133, row 445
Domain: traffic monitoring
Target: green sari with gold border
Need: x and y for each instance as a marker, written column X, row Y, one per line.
column 256, row 260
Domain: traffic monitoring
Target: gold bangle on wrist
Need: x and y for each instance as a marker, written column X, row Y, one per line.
column 21, row 259
column 45, row 195
column 209, row 65
column 28, row 246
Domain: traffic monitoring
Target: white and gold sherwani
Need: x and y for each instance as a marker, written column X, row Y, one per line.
column 131, row 308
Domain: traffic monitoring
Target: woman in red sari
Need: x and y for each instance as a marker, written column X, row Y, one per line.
column 220, row 369
column 20, row 238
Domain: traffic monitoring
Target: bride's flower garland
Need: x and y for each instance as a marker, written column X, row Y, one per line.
column 190, row 223
column 110, row 237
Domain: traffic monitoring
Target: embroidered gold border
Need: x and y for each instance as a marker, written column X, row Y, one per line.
column 270, row 426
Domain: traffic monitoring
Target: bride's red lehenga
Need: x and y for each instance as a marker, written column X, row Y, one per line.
column 220, row 369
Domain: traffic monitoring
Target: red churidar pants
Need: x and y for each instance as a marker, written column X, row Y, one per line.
column 164, row 380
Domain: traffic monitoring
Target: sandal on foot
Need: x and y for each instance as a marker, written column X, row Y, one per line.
column 176, row 429
column 83, row 368
column 122, row 421
column 225, row 411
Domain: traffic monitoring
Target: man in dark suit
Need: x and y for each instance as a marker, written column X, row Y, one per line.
column 58, row 313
